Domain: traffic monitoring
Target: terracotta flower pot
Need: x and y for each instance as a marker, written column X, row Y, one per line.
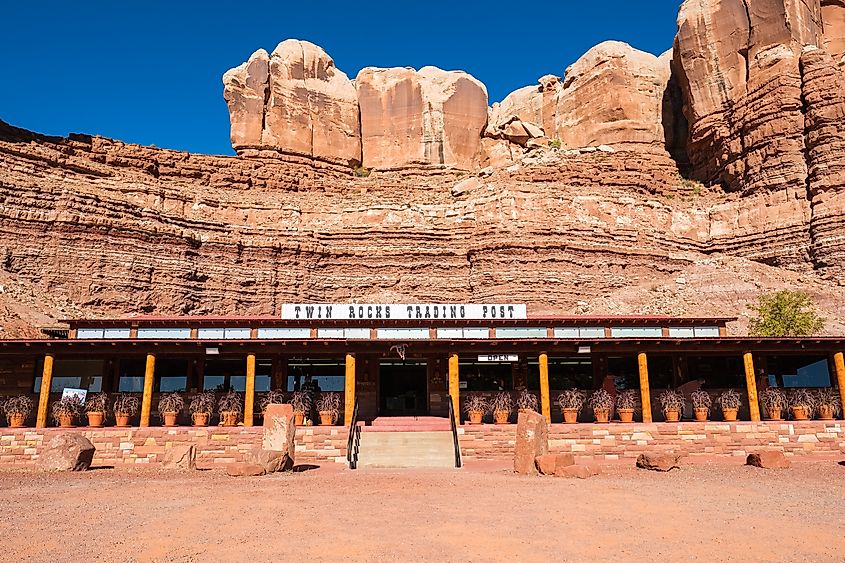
column 229, row 418
column 570, row 416
column 17, row 420
column 66, row 421
column 121, row 420
column 672, row 415
column 501, row 417
column 200, row 418
column 774, row 413
column 170, row 418
column 626, row 415
column 475, row 417
column 825, row 412
column 701, row 414
column 800, row 413
column 729, row 414
column 602, row 415
column 327, row 418
column 95, row 419
column 298, row 418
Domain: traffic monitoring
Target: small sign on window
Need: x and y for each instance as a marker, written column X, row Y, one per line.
column 503, row 358
column 70, row 392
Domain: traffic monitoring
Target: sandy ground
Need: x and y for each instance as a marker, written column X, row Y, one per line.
column 711, row 512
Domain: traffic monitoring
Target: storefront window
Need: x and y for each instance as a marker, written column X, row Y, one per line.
column 164, row 333
column 798, row 371
column 223, row 333
column 564, row 373
column 72, row 374
column 717, row 372
column 485, row 376
column 323, row 374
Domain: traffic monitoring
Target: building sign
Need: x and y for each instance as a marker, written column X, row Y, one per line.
column 501, row 358
column 400, row 311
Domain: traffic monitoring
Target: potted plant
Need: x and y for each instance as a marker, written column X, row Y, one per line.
column 701, row 403
column 169, row 407
column 502, row 406
column 17, row 410
column 802, row 404
column 230, row 407
column 527, row 401
column 774, row 403
column 571, row 403
column 66, row 409
column 672, row 403
column 626, row 404
column 475, row 406
column 328, row 405
column 124, row 408
column 828, row 404
column 201, row 407
column 274, row 397
column 95, row 408
column 729, row 401
column 301, row 403
column 601, row 402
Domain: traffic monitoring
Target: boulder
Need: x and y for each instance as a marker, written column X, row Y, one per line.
column 279, row 434
column 659, row 461
column 67, row 452
column 425, row 117
column 532, row 441
column 181, row 457
column 244, row 470
column 271, row 461
column 549, row 464
column 768, row 459
column 578, row 471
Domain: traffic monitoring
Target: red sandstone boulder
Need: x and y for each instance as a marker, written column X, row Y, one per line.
column 578, row 471
column 279, row 437
column 271, row 461
column 768, row 459
column 548, row 464
column 67, row 452
column 180, row 456
column 244, row 470
column 659, row 461
column 532, row 441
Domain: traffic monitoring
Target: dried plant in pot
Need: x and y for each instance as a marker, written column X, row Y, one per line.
column 828, row 404
column 774, row 403
column 601, row 402
column 169, row 407
column 17, row 410
column 672, row 404
column 274, row 397
column 626, row 404
column 801, row 404
column 95, row 408
column 475, row 406
column 301, row 403
column 571, row 403
column 125, row 406
column 66, row 409
column 527, row 401
column 328, row 405
column 701, row 403
column 502, row 407
column 230, row 406
column 201, row 407
column 730, row 401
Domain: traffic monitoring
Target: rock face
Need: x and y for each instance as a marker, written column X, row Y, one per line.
column 295, row 101
column 833, row 29
column 67, row 452
column 532, row 441
column 429, row 117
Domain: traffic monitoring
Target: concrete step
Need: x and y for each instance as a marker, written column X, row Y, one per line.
column 406, row 449
column 409, row 424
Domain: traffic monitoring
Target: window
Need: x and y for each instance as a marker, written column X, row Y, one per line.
column 131, row 375
column 344, row 333
column 516, row 333
column 402, row 333
column 327, row 374
column 694, row 332
column 707, row 332
column 463, row 333
column 99, row 333
column 718, row 372
column 798, row 371
column 636, row 332
column 579, row 332
column 171, row 375
column 164, row 333
column 74, row 374
column 223, row 334
column 284, row 333
column 564, row 373
column 485, row 376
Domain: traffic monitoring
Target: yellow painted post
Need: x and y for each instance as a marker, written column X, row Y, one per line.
column 349, row 386
column 147, row 399
column 545, row 402
column 249, row 399
column 645, row 391
column 455, row 386
column 839, row 363
column 751, row 383
column 44, row 394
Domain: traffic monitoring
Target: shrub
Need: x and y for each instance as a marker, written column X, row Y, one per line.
column 600, row 400
column 729, row 399
column 17, row 406
column 701, row 399
column 476, row 403
column 301, row 402
column 126, row 404
column 628, row 399
column 555, row 144
column 172, row 402
column 572, row 399
column 274, row 397
column 801, row 398
column 773, row 399
column 230, row 402
column 527, row 401
column 828, row 398
column 67, row 406
column 502, row 402
column 97, row 403
column 329, row 402
column 203, row 403
column 785, row 313
column 671, row 400
column 361, row 172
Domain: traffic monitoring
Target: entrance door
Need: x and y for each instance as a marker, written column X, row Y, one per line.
column 403, row 388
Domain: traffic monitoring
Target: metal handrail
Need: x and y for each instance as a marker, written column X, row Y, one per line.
column 457, row 444
column 352, row 441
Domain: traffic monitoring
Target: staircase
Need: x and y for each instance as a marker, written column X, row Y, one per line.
column 407, row 442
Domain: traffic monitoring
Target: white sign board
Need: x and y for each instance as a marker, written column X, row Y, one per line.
column 501, row 358
column 70, row 392
column 403, row 311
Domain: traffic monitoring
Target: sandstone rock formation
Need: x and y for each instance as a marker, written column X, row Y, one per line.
column 833, row 28
column 430, row 116
column 768, row 459
column 67, row 452
column 532, row 441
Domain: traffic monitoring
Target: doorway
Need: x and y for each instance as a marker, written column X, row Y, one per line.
column 403, row 388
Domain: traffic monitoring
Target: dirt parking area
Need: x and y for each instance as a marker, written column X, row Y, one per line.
column 710, row 512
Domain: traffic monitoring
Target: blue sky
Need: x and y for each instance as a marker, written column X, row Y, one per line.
column 149, row 71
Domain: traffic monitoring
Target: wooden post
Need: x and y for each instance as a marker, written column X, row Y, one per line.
column 455, row 386
column 349, row 386
column 44, row 394
column 545, row 402
column 249, row 398
column 645, row 391
column 839, row 364
column 147, row 399
column 751, row 383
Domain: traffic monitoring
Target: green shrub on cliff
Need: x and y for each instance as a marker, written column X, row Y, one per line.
column 785, row 313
